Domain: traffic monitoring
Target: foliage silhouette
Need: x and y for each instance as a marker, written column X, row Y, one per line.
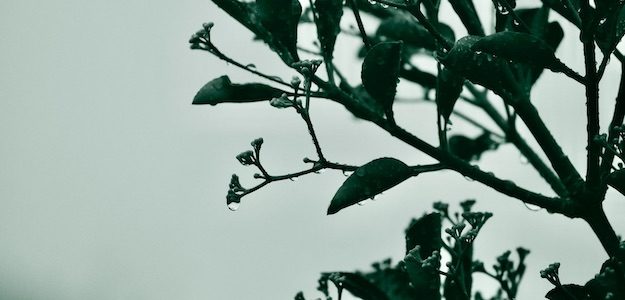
column 506, row 60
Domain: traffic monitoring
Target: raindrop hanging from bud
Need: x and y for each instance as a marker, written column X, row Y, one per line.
column 234, row 206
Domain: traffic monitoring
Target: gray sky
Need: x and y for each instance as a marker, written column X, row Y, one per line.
column 112, row 185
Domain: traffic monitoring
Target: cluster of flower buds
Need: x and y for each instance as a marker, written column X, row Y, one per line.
column 442, row 208
column 430, row 264
column 551, row 273
column 201, row 39
column 467, row 205
column 504, row 264
column 456, row 230
column 295, row 82
column 307, row 67
column 477, row 266
column 256, row 144
column 476, row 219
column 247, row 158
column 235, row 192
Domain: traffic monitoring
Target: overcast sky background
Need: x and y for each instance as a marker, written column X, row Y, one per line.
column 112, row 185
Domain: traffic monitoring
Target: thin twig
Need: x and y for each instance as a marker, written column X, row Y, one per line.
column 361, row 27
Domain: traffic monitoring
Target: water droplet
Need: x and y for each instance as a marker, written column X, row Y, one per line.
column 363, row 202
column 448, row 127
column 532, row 207
column 293, row 179
column 233, row 206
column 384, row 5
column 372, row 198
column 523, row 159
column 469, row 179
column 321, row 171
column 347, row 173
column 602, row 21
column 515, row 22
column 502, row 9
column 251, row 66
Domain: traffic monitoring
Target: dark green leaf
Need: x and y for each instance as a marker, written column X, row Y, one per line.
column 281, row 18
column 393, row 281
column 221, row 90
column 485, row 69
column 408, row 30
column 328, row 22
column 611, row 31
column 468, row 15
column 424, row 275
column 561, row 9
column 448, row 89
column 565, row 292
column 380, row 72
column 426, row 233
column 520, row 47
column 273, row 21
column 553, row 35
column 431, row 9
column 471, row 149
column 369, row 180
column 617, row 180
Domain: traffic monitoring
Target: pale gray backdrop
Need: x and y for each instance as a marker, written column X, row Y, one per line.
column 112, row 186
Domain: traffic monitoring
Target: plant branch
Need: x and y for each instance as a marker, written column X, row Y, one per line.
column 416, row 12
column 592, row 104
column 513, row 136
column 602, row 228
column 559, row 161
column 506, row 187
column 211, row 48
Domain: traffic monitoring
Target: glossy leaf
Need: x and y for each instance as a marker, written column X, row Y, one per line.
column 520, row 47
column 448, row 89
column 392, row 280
column 281, row 18
column 616, row 180
column 562, row 10
column 273, row 21
column 408, row 30
column 380, row 72
column 468, row 15
column 611, row 31
column 369, row 180
column 471, row 149
column 565, row 292
column 426, row 233
column 328, row 22
column 611, row 278
column 221, row 90
column 487, row 70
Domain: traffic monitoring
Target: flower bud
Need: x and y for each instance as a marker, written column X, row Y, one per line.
column 246, row 158
column 281, row 102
